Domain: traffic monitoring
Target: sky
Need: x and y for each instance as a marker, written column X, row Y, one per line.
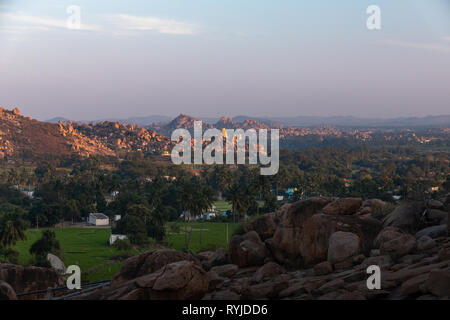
column 208, row 58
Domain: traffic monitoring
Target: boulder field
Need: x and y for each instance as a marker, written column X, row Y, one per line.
column 318, row 248
column 314, row 249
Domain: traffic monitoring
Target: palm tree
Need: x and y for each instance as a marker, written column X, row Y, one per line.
column 241, row 199
column 187, row 204
column 12, row 229
column 205, row 202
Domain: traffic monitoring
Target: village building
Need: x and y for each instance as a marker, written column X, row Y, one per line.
column 98, row 219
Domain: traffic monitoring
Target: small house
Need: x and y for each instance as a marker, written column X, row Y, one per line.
column 114, row 237
column 98, row 219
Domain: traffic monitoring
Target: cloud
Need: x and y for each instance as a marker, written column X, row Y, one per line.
column 420, row 45
column 164, row 26
column 446, row 38
column 25, row 22
column 117, row 25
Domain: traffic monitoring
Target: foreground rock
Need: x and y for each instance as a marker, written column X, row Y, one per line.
column 247, row 250
column 301, row 253
column 27, row 279
column 264, row 225
column 399, row 246
column 345, row 206
column 147, row 263
column 342, row 246
column 220, row 257
column 182, row 280
column 405, row 217
column 7, row 292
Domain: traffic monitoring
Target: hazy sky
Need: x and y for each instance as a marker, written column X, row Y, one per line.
column 225, row 57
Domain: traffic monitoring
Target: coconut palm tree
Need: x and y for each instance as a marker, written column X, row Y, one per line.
column 241, row 198
column 12, row 229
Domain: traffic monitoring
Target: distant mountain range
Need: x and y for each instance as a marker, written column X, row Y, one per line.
column 299, row 121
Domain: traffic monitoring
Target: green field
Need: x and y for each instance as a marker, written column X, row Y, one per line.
column 214, row 235
column 88, row 247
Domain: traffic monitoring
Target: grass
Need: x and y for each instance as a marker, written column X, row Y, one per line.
column 214, row 235
column 88, row 247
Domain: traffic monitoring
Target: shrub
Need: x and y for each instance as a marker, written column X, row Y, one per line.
column 123, row 245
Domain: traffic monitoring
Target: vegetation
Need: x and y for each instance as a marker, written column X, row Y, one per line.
column 150, row 195
column 43, row 246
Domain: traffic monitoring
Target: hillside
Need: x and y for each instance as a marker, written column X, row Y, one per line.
column 21, row 134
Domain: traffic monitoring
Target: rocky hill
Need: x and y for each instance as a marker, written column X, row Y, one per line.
column 187, row 122
column 183, row 121
column 19, row 133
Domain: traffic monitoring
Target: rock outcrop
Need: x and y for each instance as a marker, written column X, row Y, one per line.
column 6, row 291
column 320, row 256
column 247, row 250
column 182, row 280
column 27, row 279
column 147, row 263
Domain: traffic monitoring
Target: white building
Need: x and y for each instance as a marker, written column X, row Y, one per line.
column 98, row 219
column 209, row 215
column 114, row 237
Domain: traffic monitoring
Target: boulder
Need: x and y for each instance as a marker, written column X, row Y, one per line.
column 405, row 217
column 247, row 250
column 438, row 282
column 312, row 247
column 264, row 225
column 387, row 234
column 436, row 204
column 288, row 234
column 380, row 261
column 56, row 263
column 341, row 246
column 147, row 263
column 425, row 243
column 436, row 217
column 214, row 280
column 374, row 203
column 204, row 256
column 268, row 271
column 399, row 246
column 266, row 290
column 227, row 270
column 332, row 285
column 6, row 291
column 444, row 254
column 345, row 206
column 26, row 279
column 323, row 268
column 433, row 232
column 301, row 237
column 220, row 257
column 412, row 286
column 182, row 280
